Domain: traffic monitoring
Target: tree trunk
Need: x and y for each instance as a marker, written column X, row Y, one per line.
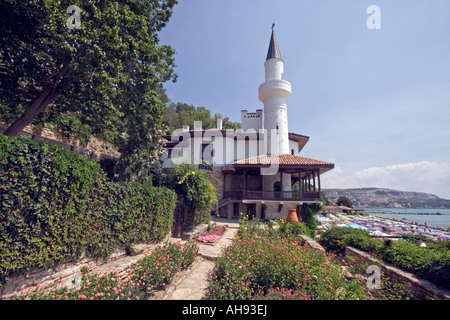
column 40, row 102
column 37, row 105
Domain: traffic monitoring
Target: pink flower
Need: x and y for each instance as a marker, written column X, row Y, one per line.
column 82, row 296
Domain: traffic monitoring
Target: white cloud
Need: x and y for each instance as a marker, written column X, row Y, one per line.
column 424, row 176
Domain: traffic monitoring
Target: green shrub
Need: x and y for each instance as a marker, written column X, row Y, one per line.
column 332, row 239
column 362, row 240
column 55, row 205
column 199, row 194
column 428, row 263
column 293, row 228
column 337, row 238
column 307, row 213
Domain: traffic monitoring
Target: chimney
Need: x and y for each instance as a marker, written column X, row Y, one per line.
column 219, row 122
column 185, row 128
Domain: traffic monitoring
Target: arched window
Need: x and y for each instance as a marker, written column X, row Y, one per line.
column 277, row 186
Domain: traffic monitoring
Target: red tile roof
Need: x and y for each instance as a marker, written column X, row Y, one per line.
column 284, row 160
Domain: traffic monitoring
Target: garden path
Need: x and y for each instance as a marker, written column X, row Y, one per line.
column 192, row 283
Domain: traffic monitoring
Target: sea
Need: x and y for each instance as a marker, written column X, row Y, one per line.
column 414, row 215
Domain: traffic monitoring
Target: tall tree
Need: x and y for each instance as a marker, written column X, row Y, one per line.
column 178, row 114
column 108, row 73
column 344, row 201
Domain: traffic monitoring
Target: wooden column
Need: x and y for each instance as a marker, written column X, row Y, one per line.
column 245, row 183
column 302, row 184
column 314, row 181
column 309, row 182
column 318, row 179
column 281, row 182
column 224, row 185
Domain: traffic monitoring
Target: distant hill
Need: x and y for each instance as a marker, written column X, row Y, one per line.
column 388, row 198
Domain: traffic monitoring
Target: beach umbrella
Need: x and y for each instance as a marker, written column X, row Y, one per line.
column 356, row 226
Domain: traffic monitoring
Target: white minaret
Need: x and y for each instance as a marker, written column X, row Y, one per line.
column 274, row 93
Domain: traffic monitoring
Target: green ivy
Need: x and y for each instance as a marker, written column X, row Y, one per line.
column 198, row 192
column 55, row 205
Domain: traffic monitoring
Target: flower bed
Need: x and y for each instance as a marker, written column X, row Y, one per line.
column 213, row 234
column 258, row 266
column 154, row 271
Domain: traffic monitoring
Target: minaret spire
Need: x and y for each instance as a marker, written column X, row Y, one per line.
column 274, row 51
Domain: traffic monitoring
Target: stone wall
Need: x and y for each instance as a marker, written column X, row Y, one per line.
column 421, row 289
column 94, row 150
column 217, row 180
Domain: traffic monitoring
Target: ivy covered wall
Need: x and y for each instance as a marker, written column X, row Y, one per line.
column 56, row 205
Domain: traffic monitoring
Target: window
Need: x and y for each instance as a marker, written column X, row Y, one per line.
column 277, row 186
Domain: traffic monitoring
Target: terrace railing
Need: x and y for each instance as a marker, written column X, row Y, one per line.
column 273, row 195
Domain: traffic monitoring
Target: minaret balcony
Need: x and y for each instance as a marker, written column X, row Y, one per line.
column 274, row 88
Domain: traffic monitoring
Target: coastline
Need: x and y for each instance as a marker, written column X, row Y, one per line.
column 415, row 213
column 420, row 217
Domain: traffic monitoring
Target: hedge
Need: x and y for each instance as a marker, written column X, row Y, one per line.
column 55, row 205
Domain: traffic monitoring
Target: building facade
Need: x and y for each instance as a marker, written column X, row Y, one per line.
column 256, row 170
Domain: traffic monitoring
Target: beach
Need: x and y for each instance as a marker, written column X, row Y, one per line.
column 384, row 226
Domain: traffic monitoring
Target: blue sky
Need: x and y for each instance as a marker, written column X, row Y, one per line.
column 374, row 102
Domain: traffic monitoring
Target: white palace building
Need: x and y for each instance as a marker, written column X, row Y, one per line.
column 254, row 168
